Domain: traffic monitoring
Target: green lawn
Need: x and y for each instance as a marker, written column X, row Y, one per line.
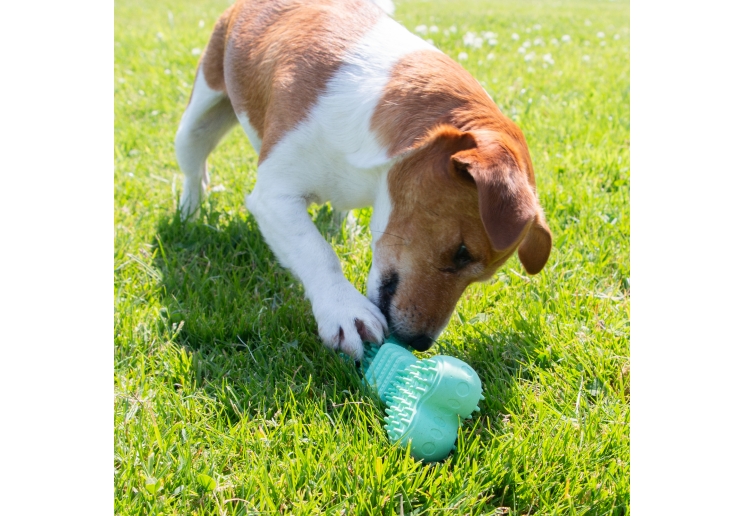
column 227, row 402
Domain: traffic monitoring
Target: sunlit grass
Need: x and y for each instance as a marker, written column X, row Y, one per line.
column 227, row 402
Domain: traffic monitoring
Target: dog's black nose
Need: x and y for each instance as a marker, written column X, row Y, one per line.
column 421, row 342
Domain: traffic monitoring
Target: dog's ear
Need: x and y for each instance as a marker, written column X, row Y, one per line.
column 448, row 140
column 535, row 248
column 506, row 200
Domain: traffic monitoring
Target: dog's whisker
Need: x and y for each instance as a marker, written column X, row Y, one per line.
column 386, row 233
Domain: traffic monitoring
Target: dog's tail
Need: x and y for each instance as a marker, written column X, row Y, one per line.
column 385, row 5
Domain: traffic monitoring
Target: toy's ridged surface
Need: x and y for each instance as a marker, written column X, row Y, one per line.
column 425, row 398
column 382, row 369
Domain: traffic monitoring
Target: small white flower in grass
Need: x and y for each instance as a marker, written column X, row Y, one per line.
column 588, row 23
column 160, row 36
column 201, row 24
column 167, row 71
column 218, row 188
column 121, row 80
column 600, row 34
column 530, row 69
column 446, row 32
column 527, row 44
column 196, row 51
column 155, row 112
column 548, row 59
column 462, row 56
column 453, row 29
column 488, row 34
column 616, row 36
column 492, row 41
column 602, row 43
column 515, row 36
column 537, row 26
column 471, row 40
column 585, row 58
column 521, row 50
column 530, row 56
column 528, row 30
column 430, row 41
column 538, row 42
column 565, row 38
column 522, row 91
column 422, row 29
column 490, row 57
column 553, row 41
column 433, row 29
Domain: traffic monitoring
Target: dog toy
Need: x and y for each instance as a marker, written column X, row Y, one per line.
column 425, row 399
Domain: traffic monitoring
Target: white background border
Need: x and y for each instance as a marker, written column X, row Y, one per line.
column 686, row 238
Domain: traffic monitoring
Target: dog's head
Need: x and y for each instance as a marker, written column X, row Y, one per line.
column 461, row 203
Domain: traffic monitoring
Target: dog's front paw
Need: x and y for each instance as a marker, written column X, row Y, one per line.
column 346, row 319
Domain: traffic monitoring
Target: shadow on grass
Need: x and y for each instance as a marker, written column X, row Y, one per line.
column 250, row 333
column 242, row 318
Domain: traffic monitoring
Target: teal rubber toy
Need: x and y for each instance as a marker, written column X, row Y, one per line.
column 426, row 399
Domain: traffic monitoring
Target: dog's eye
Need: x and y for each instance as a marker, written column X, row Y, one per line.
column 462, row 257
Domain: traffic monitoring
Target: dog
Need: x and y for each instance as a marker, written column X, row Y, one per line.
column 343, row 104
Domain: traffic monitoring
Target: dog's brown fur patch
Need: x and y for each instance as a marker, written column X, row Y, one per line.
column 427, row 88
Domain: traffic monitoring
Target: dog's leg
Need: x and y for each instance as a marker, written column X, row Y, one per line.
column 345, row 317
column 208, row 117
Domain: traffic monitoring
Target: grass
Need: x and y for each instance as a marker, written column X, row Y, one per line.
column 226, row 401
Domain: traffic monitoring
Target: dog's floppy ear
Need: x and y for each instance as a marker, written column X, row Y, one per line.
column 535, row 248
column 448, row 140
column 506, row 201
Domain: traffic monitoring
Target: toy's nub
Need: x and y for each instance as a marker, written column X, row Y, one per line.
column 426, row 398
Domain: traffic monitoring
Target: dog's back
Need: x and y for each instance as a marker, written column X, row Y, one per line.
column 264, row 64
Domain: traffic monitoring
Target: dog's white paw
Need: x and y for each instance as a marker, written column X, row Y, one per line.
column 346, row 319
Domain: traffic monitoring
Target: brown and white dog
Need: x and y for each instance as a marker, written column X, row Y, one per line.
column 345, row 105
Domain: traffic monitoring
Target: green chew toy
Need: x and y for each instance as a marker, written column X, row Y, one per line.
column 425, row 398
